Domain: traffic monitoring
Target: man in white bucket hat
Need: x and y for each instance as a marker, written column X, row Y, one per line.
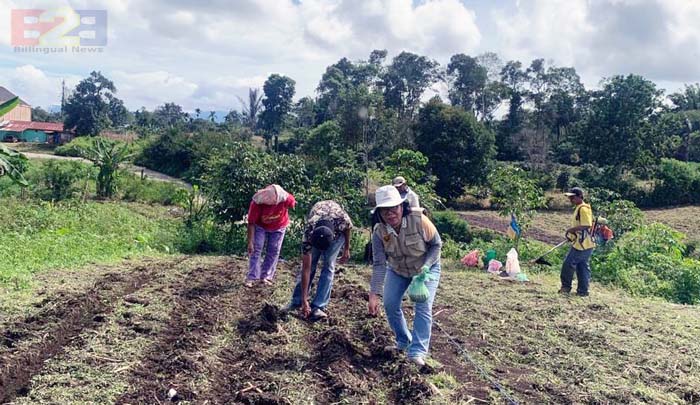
column 405, row 244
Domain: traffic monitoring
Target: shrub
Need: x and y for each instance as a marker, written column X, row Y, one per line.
column 133, row 188
column 450, row 225
column 232, row 178
column 75, row 147
column 59, row 179
column 345, row 185
column 514, row 193
column 170, row 153
column 676, row 183
column 622, row 215
column 649, row 262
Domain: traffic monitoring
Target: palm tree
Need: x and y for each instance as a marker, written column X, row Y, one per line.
column 212, row 116
column 252, row 108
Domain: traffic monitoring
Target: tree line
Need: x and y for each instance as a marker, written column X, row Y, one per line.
column 538, row 114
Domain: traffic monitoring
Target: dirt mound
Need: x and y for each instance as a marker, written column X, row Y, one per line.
column 202, row 307
column 265, row 320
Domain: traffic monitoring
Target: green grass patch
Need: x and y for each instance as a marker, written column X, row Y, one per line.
column 41, row 235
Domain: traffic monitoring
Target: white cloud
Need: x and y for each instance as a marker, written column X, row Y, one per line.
column 153, row 88
column 656, row 38
column 34, row 86
column 203, row 54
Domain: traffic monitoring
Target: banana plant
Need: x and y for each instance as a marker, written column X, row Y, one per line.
column 10, row 163
column 107, row 156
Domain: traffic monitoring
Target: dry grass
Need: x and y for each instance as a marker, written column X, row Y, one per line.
column 684, row 219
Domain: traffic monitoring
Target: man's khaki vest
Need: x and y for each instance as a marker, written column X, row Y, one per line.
column 405, row 254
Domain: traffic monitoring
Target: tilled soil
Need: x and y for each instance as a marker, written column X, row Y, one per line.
column 28, row 343
column 199, row 336
column 501, row 225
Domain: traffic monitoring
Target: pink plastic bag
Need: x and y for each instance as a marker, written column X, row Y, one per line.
column 495, row 266
column 471, row 259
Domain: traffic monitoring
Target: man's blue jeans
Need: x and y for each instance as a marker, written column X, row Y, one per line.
column 576, row 261
column 325, row 280
column 417, row 342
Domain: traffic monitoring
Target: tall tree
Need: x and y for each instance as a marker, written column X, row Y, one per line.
column 347, row 88
column 88, row 108
column 118, row 114
column 617, row 131
column 513, row 78
column 279, row 91
column 688, row 99
column 305, row 112
column 458, row 147
column 405, row 81
column 467, row 81
column 170, row 115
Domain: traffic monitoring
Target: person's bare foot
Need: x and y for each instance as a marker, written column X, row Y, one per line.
column 267, row 282
column 248, row 284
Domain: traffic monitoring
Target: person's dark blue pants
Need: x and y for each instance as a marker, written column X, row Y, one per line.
column 577, row 261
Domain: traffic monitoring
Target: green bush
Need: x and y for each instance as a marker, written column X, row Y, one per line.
column 451, row 225
column 649, row 262
column 623, row 216
column 232, row 178
column 133, row 188
column 79, row 145
column 676, row 183
column 59, row 179
column 75, row 147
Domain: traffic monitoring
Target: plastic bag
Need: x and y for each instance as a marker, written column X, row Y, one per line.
column 471, row 259
column 418, row 290
column 494, row 266
column 490, row 255
column 512, row 263
column 270, row 195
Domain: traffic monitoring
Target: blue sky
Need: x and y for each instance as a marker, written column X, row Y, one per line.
column 205, row 53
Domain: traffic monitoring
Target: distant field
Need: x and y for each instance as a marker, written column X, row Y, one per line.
column 551, row 224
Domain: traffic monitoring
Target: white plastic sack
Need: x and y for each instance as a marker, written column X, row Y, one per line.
column 512, row 263
column 270, row 195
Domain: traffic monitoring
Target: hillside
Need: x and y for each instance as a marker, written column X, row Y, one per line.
column 129, row 333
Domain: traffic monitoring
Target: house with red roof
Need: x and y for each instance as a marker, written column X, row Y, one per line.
column 17, row 124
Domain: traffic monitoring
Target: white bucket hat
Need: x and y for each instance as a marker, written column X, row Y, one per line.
column 387, row 196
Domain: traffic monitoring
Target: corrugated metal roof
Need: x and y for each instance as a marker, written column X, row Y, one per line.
column 20, row 126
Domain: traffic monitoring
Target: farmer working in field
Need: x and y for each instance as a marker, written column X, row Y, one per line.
column 582, row 244
column 268, row 218
column 406, row 192
column 406, row 245
column 327, row 232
